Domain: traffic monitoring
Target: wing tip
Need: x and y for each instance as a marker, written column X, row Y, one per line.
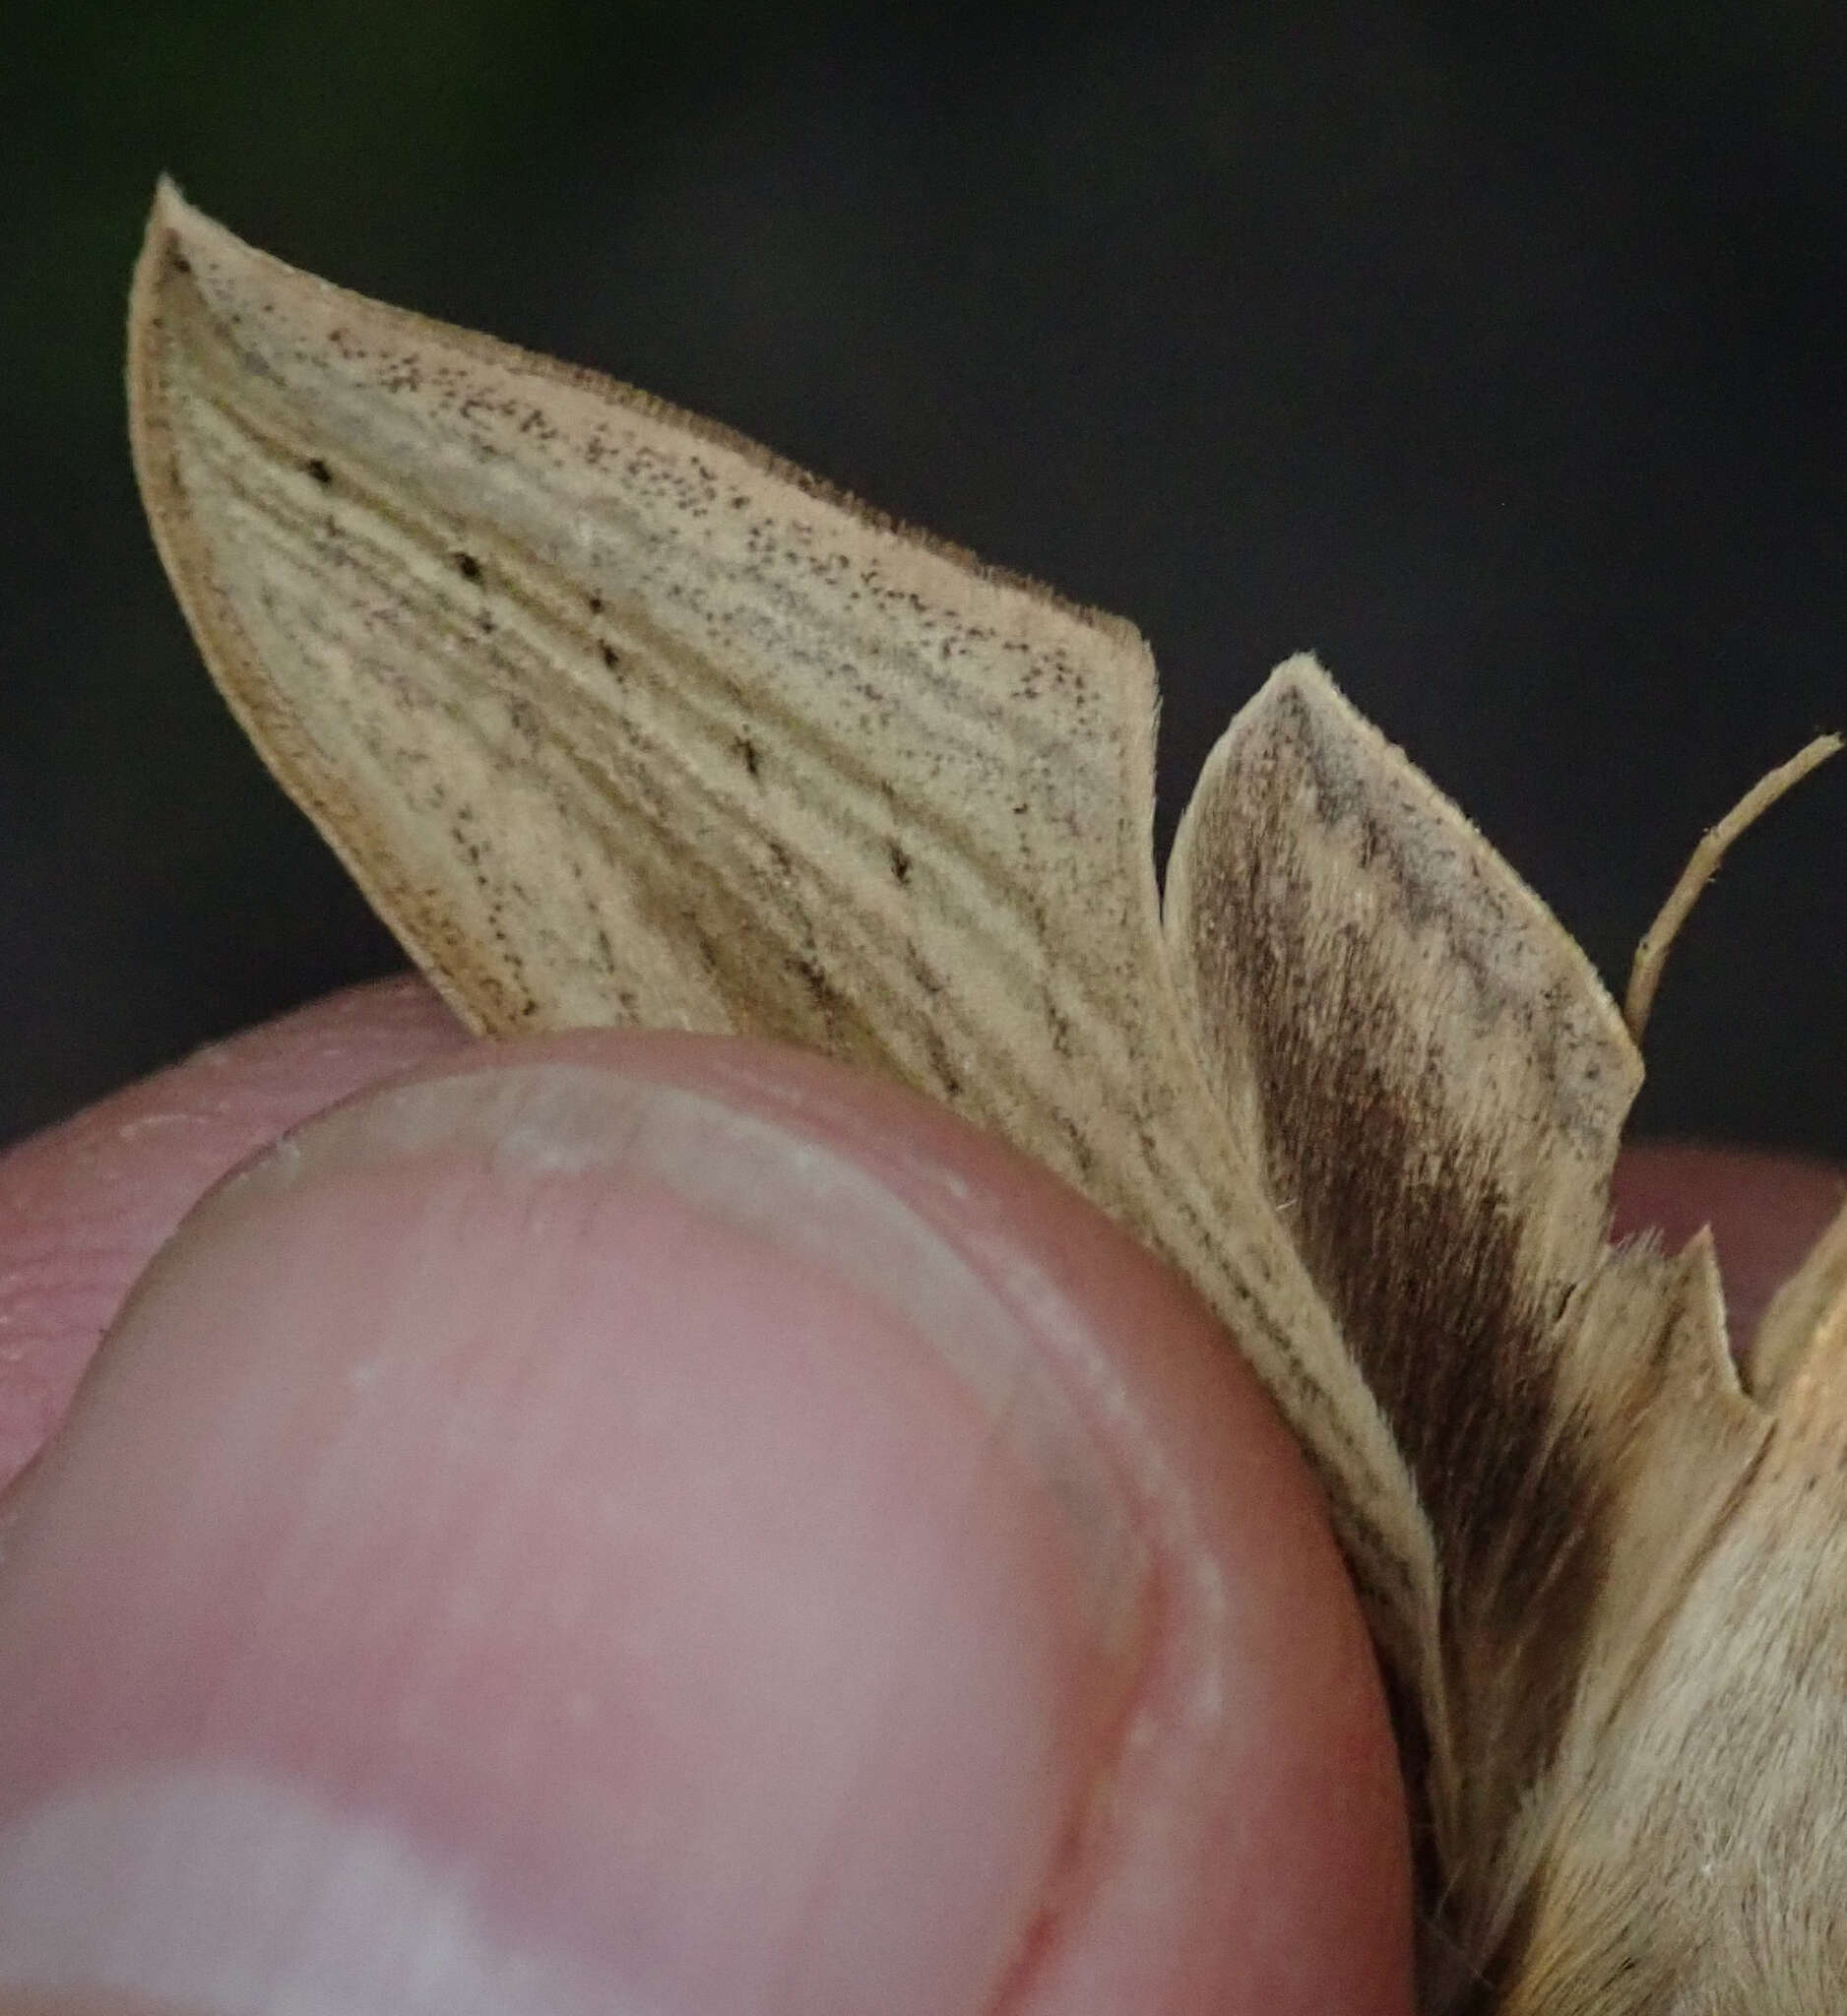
column 172, row 224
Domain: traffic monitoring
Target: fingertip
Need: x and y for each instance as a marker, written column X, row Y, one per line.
column 1139, row 1757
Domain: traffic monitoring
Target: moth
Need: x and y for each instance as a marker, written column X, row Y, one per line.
column 618, row 719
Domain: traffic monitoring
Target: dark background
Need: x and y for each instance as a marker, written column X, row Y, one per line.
column 1498, row 357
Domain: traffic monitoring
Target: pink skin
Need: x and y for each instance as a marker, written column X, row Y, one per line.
column 1765, row 1212
column 1138, row 1851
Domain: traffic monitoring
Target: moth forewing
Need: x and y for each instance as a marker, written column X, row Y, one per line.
column 1437, row 1081
column 618, row 719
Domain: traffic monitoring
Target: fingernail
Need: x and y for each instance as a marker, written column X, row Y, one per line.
column 544, row 1539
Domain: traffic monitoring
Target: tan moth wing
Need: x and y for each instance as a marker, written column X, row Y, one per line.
column 618, row 719
column 1437, row 1083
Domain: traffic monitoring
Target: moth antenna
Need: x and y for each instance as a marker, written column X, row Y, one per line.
column 1651, row 955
